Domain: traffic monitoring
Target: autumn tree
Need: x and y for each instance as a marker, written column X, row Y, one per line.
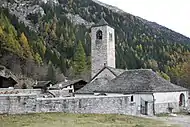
column 2, row 42
column 186, row 74
column 38, row 58
column 26, row 48
column 163, row 75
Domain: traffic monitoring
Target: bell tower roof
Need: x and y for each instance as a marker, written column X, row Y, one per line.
column 102, row 22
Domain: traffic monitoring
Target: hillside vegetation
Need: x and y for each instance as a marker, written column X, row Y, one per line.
column 62, row 41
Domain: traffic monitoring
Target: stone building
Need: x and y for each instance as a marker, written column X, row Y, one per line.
column 71, row 85
column 7, row 79
column 150, row 93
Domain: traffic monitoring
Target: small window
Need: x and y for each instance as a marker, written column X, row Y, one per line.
column 110, row 37
column 99, row 35
column 80, row 106
column 132, row 98
column 70, row 91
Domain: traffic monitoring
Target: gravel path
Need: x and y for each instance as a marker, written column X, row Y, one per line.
column 182, row 120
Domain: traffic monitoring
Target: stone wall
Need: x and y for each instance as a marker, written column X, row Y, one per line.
column 29, row 103
column 19, row 91
column 38, row 92
column 17, row 104
column 100, row 105
column 164, row 107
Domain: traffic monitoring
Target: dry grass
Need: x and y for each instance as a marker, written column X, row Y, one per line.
column 76, row 120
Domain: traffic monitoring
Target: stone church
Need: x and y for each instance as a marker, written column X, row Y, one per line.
column 148, row 91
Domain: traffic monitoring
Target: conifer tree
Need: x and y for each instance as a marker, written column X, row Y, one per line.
column 79, row 59
column 51, row 75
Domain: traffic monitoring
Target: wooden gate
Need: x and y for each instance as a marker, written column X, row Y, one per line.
column 144, row 107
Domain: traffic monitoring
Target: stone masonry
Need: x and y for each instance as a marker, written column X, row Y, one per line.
column 18, row 91
column 17, row 104
column 99, row 105
column 164, row 107
column 21, row 104
column 30, row 103
column 102, row 50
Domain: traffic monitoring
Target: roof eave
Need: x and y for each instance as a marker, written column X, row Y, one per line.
column 100, row 25
column 138, row 92
column 84, row 93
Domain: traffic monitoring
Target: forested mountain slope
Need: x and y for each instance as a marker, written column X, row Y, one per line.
column 56, row 35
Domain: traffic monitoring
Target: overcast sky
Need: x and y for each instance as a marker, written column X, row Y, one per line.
column 174, row 14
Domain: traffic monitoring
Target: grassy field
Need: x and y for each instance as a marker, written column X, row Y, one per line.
column 76, row 120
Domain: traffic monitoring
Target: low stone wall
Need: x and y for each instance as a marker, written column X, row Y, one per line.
column 29, row 103
column 100, row 105
column 164, row 107
column 20, row 91
column 17, row 103
column 38, row 92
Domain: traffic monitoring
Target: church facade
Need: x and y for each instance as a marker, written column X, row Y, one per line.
column 150, row 93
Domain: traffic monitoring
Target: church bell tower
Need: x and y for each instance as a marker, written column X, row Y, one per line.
column 102, row 47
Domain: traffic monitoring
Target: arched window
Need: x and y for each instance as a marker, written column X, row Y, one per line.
column 99, row 35
column 182, row 100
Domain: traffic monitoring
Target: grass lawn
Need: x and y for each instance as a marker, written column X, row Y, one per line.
column 76, row 120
